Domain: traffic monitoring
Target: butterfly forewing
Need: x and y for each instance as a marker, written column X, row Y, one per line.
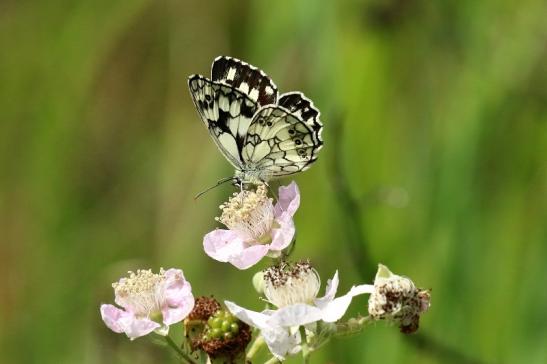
column 226, row 112
column 245, row 78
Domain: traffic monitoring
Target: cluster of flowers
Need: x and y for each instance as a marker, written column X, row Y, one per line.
column 295, row 321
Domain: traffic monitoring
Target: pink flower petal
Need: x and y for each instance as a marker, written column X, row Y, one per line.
column 112, row 317
column 140, row 327
column 282, row 236
column 222, row 244
column 249, row 256
column 179, row 300
column 289, row 200
column 228, row 246
column 121, row 321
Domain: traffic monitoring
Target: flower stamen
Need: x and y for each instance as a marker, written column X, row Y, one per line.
column 250, row 213
column 287, row 284
column 142, row 292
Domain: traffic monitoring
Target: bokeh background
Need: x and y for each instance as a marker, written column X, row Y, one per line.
column 434, row 164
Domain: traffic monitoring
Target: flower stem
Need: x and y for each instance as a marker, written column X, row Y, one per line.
column 272, row 360
column 255, row 347
column 178, row 350
column 305, row 348
column 352, row 326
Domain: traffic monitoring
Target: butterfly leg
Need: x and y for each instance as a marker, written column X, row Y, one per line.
column 272, row 191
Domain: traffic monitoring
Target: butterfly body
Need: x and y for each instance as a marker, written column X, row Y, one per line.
column 262, row 134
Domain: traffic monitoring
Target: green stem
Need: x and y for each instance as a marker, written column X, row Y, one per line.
column 305, row 348
column 255, row 347
column 178, row 350
column 352, row 326
column 272, row 360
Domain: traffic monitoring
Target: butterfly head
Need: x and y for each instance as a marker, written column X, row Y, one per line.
column 253, row 176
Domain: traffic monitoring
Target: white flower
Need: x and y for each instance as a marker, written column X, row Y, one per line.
column 293, row 290
column 396, row 298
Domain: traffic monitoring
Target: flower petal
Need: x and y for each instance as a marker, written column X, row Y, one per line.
column 335, row 309
column 296, row 315
column 179, row 300
column 252, row 318
column 113, row 316
column 140, row 327
column 222, row 244
column 288, row 200
column 121, row 321
column 249, row 256
column 283, row 235
column 330, row 291
column 228, row 246
column 279, row 340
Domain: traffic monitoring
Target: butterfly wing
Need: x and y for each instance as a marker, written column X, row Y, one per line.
column 283, row 140
column 226, row 113
column 228, row 102
column 246, row 78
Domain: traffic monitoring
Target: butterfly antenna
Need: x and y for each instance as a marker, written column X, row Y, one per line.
column 224, row 180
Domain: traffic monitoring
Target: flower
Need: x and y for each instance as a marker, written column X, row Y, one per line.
column 397, row 299
column 149, row 302
column 256, row 226
column 293, row 289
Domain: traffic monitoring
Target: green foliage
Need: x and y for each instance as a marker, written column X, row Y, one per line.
column 443, row 110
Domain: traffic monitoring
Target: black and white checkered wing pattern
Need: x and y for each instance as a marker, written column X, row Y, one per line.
column 245, row 78
column 283, row 140
column 226, row 112
column 262, row 135
column 228, row 102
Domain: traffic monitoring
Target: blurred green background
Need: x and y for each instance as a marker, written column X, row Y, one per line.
column 441, row 110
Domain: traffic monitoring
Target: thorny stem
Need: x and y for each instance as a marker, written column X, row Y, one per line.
column 353, row 217
column 255, row 347
column 178, row 350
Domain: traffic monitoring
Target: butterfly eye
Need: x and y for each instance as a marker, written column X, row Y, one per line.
column 292, row 131
column 302, row 152
column 208, row 98
column 297, row 141
column 269, row 123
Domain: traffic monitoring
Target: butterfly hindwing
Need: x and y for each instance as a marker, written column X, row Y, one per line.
column 226, row 112
column 302, row 107
column 280, row 142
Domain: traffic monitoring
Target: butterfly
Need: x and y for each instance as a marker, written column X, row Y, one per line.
column 262, row 134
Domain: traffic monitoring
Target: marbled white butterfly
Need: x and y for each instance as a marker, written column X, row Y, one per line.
column 261, row 134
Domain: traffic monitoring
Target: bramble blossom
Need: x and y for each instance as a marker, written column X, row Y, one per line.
column 396, row 298
column 256, row 227
column 149, row 302
column 293, row 290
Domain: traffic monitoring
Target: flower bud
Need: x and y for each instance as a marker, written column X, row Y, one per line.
column 258, row 282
